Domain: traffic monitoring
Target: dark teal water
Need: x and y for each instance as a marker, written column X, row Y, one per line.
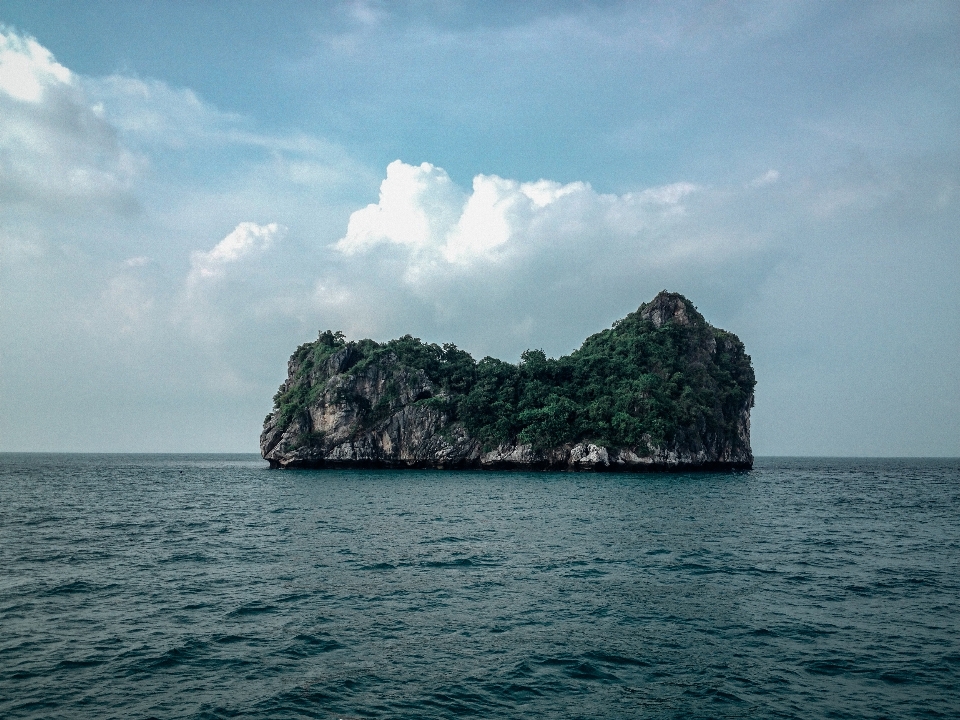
column 210, row 587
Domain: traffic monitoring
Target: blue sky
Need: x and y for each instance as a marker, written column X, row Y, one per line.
column 190, row 190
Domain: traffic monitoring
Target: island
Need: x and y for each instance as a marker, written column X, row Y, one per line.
column 661, row 389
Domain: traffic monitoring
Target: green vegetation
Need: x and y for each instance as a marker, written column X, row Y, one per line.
column 632, row 383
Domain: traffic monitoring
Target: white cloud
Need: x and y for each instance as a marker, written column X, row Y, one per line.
column 27, row 68
column 417, row 205
column 485, row 223
column 443, row 228
column 247, row 240
column 54, row 146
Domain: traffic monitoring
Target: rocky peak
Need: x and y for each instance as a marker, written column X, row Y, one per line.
column 667, row 306
column 341, row 361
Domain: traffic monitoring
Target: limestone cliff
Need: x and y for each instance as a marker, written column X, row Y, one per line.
column 661, row 389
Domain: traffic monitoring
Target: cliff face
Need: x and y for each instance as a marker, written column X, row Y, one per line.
column 662, row 389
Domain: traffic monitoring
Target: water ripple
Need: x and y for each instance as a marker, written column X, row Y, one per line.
column 209, row 587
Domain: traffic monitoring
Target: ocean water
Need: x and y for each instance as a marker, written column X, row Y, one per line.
column 163, row 586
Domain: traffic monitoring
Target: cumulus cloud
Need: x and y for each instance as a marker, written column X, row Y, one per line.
column 247, row 240
column 54, row 145
column 417, row 205
column 444, row 228
column 26, row 67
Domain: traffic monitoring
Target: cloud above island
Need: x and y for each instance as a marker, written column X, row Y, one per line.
column 501, row 221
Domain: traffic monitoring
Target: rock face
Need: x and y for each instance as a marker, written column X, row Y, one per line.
column 405, row 404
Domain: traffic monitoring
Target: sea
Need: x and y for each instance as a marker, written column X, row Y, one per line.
column 208, row 586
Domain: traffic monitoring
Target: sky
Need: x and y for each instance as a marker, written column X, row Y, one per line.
column 188, row 191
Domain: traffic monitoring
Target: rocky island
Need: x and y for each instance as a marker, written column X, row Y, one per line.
column 660, row 390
